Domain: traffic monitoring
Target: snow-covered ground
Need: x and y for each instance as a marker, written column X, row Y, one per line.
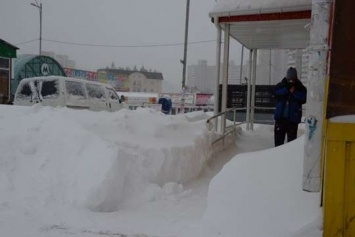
column 142, row 173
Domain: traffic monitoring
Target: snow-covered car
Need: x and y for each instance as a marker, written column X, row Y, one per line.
column 65, row 91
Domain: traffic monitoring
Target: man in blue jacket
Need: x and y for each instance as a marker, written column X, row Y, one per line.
column 290, row 94
column 166, row 104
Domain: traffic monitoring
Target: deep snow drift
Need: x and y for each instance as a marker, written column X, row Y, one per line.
column 138, row 173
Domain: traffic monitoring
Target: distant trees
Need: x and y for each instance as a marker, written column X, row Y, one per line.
column 135, row 69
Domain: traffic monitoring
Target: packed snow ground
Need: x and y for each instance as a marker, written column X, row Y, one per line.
column 142, row 173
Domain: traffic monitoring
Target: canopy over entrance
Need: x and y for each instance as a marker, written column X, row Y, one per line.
column 258, row 24
column 267, row 24
column 281, row 24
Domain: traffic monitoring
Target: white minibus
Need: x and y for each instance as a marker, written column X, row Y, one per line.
column 65, row 91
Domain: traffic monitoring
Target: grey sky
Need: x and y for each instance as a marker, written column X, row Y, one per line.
column 114, row 22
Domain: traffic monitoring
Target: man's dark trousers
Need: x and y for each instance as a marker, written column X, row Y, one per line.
column 283, row 127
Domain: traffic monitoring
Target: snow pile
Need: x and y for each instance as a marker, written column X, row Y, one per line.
column 260, row 194
column 97, row 160
column 136, row 173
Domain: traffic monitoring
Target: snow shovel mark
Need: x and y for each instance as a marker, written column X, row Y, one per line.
column 65, row 230
column 113, row 234
column 60, row 228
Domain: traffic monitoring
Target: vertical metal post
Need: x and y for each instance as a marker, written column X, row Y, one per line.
column 270, row 67
column 225, row 75
column 218, row 70
column 248, row 88
column 241, row 66
column 39, row 6
column 184, row 61
column 185, row 43
column 40, row 29
column 252, row 114
column 234, row 117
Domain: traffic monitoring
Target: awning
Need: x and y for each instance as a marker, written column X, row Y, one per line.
column 268, row 28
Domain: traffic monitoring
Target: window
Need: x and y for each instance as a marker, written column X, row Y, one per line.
column 95, row 92
column 75, row 90
column 25, row 92
column 4, row 63
column 30, row 90
column 112, row 95
column 50, row 89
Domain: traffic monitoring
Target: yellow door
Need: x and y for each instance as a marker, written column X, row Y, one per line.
column 339, row 190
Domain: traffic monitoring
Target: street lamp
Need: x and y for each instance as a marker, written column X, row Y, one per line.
column 39, row 6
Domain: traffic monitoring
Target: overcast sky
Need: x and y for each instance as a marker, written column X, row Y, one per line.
column 115, row 23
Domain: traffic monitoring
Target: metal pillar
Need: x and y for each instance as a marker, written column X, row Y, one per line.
column 252, row 107
column 39, row 6
column 270, row 67
column 218, row 65
column 241, row 66
column 225, row 75
column 185, row 43
column 248, row 88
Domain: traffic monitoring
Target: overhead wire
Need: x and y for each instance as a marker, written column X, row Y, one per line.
column 29, row 41
column 118, row 46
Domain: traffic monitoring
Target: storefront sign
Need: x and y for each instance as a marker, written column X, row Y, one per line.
column 176, row 98
column 119, row 82
column 204, row 99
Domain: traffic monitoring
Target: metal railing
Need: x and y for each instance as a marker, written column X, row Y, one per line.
column 212, row 122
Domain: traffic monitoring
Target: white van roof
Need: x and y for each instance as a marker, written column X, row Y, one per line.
column 64, row 78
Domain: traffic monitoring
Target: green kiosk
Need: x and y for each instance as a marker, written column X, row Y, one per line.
column 34, row 66
column 7, row 53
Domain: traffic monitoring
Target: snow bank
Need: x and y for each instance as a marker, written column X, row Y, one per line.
column 260, row 194
column 97, row 160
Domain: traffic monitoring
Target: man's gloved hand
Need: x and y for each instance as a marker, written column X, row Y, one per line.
column 292, row 89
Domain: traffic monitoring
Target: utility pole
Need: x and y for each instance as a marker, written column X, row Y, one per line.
column 184, row 61
column 39, row 6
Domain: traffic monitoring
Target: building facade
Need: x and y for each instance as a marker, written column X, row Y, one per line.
column 201, row 77
column 137, row 80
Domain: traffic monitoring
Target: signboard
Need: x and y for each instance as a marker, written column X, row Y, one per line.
column 157, row 107
column 176, row 98
column 119, row 82
column 204, row 99
column 45, row 69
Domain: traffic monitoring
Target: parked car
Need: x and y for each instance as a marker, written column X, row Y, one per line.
column 65, row 91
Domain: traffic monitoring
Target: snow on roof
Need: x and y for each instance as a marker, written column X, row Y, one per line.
column 343, row 119
column 242, row 7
